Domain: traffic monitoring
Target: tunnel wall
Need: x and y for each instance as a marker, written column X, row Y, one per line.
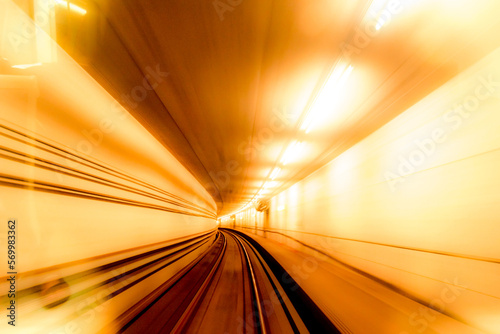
column 86, row 184
column 415, row 204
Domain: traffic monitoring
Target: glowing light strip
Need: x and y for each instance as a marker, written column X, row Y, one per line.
column 72, row 7
column 275, row 173
column 326, row 97
column 293, row 151
column 25, row 66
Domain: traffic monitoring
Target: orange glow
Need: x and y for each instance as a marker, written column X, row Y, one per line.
column 401, row 199
column 81, row 177
column 356, row 141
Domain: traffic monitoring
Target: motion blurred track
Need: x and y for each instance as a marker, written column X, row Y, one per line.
column 232, row 288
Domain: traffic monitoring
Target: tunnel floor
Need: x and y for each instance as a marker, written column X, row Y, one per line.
column 232, row 288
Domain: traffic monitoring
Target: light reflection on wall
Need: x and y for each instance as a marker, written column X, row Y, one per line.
column 415, row 203
column 87, row 184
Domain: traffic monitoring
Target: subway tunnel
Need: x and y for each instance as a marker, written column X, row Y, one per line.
column 234, row 166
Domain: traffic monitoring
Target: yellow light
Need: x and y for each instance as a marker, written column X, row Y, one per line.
column 293, row 152
column 261, row 191
column 281, row 208
column 25, row 66
column 77, row 9
column 270, row 184
column 72, row 7
column 275, row 173
column 325, row 100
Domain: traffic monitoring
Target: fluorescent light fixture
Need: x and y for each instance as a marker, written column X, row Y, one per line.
column 25, row 66
column 72, row 7
column 293, row 152
column 383, row 11
column 270, row 184
column 275, row 173
column 324, row 102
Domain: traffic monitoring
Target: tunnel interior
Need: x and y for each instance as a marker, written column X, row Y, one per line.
column 250, row 167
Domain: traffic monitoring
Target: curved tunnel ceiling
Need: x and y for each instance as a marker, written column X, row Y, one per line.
column 227, row 86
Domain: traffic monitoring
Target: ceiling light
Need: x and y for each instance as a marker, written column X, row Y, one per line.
column 262, row 191
column 293, row 152
column 324, row 102
column 25, row 66
column 72, row 7
column 275, row 173
column 270, row 184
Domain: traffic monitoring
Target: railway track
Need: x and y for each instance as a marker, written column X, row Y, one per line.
column 234, row 287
